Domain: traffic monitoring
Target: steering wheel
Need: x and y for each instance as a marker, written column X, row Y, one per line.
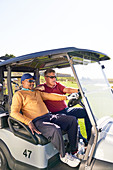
column 74, row 102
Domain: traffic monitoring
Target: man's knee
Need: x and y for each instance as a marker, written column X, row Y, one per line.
column 72, row 120
column 83, row 112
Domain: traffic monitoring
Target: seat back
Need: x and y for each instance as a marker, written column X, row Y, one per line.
column 3, row 118
column 21, row 130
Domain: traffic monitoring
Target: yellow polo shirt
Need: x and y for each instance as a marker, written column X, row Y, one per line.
column 31, row 104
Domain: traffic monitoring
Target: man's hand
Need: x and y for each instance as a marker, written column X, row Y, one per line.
column 33, row 128
column 73, row 96
column 41, row 88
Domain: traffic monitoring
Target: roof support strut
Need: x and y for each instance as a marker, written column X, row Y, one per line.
column 10, row 91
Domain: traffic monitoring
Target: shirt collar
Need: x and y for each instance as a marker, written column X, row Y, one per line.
column 51, row 87
column 26, row 89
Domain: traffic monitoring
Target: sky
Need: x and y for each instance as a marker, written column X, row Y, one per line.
column 28, row 26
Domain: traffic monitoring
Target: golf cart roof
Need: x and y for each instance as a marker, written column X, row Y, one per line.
column 56, row 58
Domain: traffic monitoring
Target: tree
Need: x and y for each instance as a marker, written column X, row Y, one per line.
column 9, row 56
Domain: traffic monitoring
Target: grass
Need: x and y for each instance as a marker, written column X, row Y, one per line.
column 82, row 127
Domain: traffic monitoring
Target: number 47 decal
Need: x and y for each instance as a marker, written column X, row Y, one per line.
column 27, row 153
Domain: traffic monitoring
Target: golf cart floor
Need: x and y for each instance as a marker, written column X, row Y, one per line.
column 62, row 166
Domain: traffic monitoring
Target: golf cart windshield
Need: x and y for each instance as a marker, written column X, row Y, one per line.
column 96, row 89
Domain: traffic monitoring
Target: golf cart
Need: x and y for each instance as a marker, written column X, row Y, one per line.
column 19, row 149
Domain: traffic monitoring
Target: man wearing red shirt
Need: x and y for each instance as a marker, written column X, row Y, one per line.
column 60, row 107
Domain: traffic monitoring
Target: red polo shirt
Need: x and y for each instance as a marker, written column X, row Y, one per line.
column 55, row 106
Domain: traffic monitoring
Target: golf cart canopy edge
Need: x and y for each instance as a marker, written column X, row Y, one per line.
column 56, row 58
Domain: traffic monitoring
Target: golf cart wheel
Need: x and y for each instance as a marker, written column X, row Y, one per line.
column 3, row 161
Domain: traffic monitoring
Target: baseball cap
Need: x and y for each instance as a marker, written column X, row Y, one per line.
column 27, row 76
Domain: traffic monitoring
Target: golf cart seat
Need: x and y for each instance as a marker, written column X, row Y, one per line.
column 3, row 118
column 21, row 130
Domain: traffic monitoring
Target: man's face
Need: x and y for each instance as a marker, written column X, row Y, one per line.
column 50, row 79
column 28, row 83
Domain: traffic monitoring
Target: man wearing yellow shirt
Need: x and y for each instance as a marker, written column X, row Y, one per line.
column 37, row 117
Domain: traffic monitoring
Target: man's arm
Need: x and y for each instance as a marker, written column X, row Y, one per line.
column 16, row 107
column 41, row 88
column 57, row 97
column 52, row 96
column 65, row 89
column 70, row 90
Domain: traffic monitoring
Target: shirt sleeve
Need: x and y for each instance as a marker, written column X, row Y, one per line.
column 53, row 96
column 16, row 107
column 61, row 87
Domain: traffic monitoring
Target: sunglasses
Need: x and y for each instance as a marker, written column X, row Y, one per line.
column 51, row 77
column 31, row 81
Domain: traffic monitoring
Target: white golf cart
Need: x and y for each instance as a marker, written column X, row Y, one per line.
column 19, row 149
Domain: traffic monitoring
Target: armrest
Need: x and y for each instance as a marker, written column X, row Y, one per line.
column 24, row 134
column 21, row 130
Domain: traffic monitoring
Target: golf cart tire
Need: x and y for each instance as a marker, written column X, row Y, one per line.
column 3, row 163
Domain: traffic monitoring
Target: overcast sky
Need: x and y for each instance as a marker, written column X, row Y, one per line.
column 28, row 26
